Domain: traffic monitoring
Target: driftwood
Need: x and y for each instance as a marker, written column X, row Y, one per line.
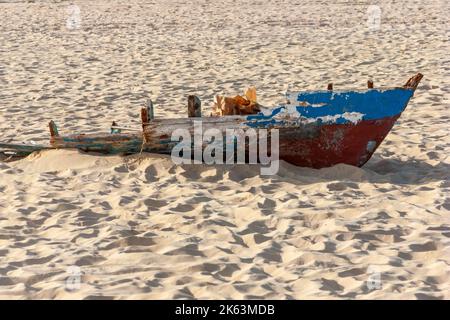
column 250, row 94
column 238, row 105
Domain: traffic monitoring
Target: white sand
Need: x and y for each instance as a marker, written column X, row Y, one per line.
column 142, row 227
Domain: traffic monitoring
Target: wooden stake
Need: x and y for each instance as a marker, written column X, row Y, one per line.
column 149, row 105
column 147, row 114
column 370, row 84
column 194, row 107
column 53, row 129
column 144, row 116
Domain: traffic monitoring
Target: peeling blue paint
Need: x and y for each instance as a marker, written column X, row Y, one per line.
column 371, row 104
column 374, row 104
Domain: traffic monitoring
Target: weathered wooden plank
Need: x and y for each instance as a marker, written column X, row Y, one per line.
column 23, row 147
column 125, row 129
column 105, row 143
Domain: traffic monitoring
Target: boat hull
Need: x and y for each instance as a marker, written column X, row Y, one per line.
column 316, row 128
column 332, row 144
column 315, row 144
column 307, row 144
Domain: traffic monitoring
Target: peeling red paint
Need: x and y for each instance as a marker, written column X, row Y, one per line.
column 335, row 143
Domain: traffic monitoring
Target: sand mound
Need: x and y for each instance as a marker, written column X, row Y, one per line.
column 60, row 160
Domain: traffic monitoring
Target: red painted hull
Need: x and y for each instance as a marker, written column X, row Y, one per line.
column 326, row 145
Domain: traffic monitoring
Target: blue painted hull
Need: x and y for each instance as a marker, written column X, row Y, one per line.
column 337, row 107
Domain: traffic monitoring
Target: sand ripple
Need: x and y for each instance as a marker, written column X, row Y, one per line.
column 141, row 227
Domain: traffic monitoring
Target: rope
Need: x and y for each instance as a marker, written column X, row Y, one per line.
column 144, row 140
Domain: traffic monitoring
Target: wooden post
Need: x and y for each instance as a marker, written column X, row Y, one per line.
column 53, row 129
column 330, row 87
column 147, row 114
column 194, row 107
column 370, row 84
column 144, row 116
column 149, row 105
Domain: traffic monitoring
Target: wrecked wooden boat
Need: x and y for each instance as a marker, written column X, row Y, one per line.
column 316, row 128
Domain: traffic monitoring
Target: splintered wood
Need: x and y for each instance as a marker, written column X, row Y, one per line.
column 413, row 82
column 238, row 105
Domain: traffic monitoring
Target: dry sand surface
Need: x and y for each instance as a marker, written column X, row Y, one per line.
column 142, row 227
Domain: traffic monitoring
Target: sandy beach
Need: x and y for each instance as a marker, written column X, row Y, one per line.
column 82, row 226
